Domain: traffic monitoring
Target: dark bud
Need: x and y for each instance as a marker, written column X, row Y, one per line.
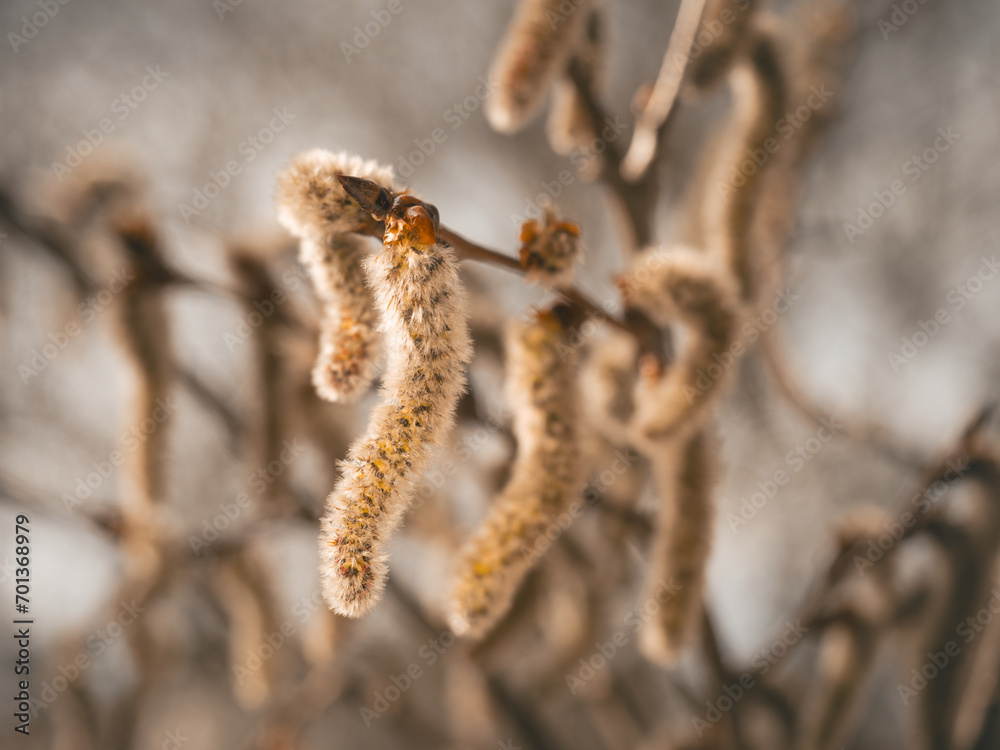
column 373, row 198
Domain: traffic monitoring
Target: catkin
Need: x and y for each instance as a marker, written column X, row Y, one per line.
column 683, row 474
column 535, row 49
column 569, row 126
column 758, row 86
column 542, row 392
column 345, row 366
column 724, row 25
column 549, row 250
column 423, row 323
column 685, row 285
column 313, row 206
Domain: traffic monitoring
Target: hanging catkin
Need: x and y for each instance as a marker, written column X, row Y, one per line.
column 424, row 330
column 313, row 206
column 544, row 480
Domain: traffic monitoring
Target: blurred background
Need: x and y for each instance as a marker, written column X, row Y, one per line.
column 185, row 89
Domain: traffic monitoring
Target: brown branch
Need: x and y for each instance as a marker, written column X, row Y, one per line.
column 635, row 201
column 858, row 430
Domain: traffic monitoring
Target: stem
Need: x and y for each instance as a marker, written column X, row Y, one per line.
column 635, row 201
column 635, row 325
column 644, row 148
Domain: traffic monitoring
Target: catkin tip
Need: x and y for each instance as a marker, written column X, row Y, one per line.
column 535, row 49
column 311, row 201
column 683, row 285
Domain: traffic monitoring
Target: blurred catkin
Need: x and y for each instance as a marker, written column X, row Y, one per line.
column 542, row 391
column 682, row 285
column 723, row 29
column 684, row 476
column 549, row 250
column 535, row 49
column 568, row 126
column 424, row 329
column 314, row 207
column 745, row 154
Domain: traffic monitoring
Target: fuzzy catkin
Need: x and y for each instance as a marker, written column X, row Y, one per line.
column 345, row 365
column 568, row 126
column 313, row 206
column 542, row 392
column 311, row 201
column 759, row 95
column 423, row 323
column 683, row 285
column 535, row 49
column 683, row 473
column 725, row 23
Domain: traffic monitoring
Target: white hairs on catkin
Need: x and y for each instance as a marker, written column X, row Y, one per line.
column 345, row 366
column 424, row 330
column 683, row 473
column 313, row 206
column 683, row 285
column 535, row 49
column 544, row 480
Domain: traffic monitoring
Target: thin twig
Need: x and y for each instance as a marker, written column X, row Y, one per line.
column 642, row 151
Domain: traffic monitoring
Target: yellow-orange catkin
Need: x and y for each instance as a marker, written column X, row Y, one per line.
column 544, row 480
column 424, row 330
